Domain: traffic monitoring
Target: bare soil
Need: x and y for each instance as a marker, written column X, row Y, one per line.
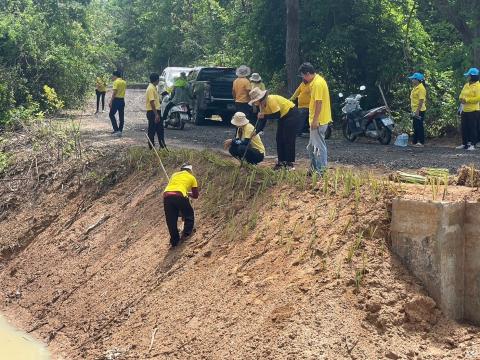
column 297, row 273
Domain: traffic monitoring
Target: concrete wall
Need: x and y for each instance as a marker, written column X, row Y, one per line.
column 440, row 244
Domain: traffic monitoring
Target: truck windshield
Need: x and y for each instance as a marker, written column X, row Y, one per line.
column 209, row 74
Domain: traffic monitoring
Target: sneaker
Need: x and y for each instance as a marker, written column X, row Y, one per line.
column 114, row 132
column 470, row 147
column 289, row 166
column 278, row 166
column 119, row 134
column 103, row 111
column 96, row 112
column 418, row 145
column 461, row 147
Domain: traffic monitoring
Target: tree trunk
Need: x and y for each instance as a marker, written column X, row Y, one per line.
column 292, row 56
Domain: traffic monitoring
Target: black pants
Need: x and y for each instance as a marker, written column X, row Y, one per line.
column 252, row 156
column 287, row 135
column 155, row 128
column 118, row 104
column 247, row 110
column 305, row 128
column 418, row 129
column 100, row 94
column 469, row 127
column 173, row 206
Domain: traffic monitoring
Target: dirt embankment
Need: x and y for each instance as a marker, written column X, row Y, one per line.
column 280, row 268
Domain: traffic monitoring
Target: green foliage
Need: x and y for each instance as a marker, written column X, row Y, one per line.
column 56, row 44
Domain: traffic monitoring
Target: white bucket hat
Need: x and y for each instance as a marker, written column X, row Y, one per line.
column 256, row 95
column 256, row 77
column 239, row 119
column 186, row 166
column 243, row 71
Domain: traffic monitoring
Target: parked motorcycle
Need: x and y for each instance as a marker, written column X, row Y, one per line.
column 374, row 123
column 178, row 114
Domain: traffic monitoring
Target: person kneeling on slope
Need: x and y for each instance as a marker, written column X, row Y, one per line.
column 182, row 185
column 247, row 144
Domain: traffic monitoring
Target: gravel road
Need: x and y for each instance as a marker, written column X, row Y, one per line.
column 363, row 152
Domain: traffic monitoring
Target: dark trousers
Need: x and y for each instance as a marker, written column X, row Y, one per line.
column 100, row 94
column 304, row 113
column 173, row 206
column 247, row 110
column 418, row 129
column 287, row 135
column 252, row 156
column 469, row 127
column 167, row 110
column 118, row 104
column 155, row 128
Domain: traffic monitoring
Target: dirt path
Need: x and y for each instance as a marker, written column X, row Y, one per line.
column 361, row 153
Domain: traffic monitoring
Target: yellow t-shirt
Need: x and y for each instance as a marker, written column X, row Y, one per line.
column 256, row 141
column 241, row 90
column 319, row 91
column 182, row 181
column 303, row 94
column 471, row 94
column 276, row 103
column 418, row 93
column 259, row 85
column 121, row 86
column 152, row 94
column 100, row 85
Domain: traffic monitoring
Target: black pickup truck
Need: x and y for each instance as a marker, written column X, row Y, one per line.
column 212, row 93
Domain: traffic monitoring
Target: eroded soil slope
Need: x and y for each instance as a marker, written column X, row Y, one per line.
column 279, row 269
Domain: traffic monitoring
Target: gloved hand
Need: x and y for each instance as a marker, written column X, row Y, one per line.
column 237, row 141
column 260, row 133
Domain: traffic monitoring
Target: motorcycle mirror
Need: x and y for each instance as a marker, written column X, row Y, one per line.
column 363, row 87
column 340, row 95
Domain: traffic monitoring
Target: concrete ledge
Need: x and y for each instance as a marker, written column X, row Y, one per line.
column 440, row 244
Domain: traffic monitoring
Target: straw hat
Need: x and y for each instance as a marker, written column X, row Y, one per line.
column 239, row 119
column 255, row 77
column 243, row 71
column 256, row 95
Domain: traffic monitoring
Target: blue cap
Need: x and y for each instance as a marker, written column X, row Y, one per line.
column 472, row 71
column 417, row 76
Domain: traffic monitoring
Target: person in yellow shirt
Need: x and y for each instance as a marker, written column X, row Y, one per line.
column 240, row 89
column 247, row 144
column 181, row 186
column 320, row 115
column 301, row 97
column 117, row 103
column 152, row 105
column 418, row 103
column 278, row 107
column 470, row 110
column 100, row 91
column 256, row 81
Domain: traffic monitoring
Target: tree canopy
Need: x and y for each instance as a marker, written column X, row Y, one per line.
column 64, row 45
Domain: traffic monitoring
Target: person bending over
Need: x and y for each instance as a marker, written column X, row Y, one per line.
column 181, row 186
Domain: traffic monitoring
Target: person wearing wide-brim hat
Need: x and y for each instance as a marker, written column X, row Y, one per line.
column 256, row 81
column 289, row 121
column 418, row 102
column 247, row 144
column 181, row 186
column 470, row 110
column 240, row 90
